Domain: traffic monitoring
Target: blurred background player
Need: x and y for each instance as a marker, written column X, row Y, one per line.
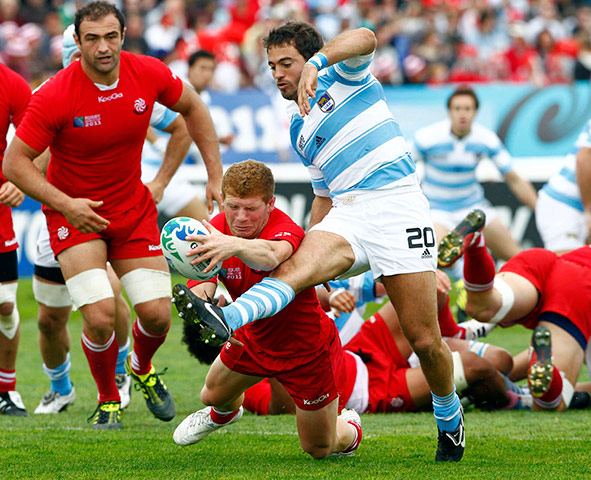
column 120, row 225
column 451, row 151
column 544, row 292
column 49, row 286
column 300, row 346
column 563, row 211
column 14, row 97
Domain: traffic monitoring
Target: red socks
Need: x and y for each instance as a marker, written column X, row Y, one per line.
column 145, row 345
column 479, row 267
column 102, row 360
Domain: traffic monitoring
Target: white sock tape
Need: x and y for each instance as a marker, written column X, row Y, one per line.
column 507, row 300
column 459, row 375
column 145, row 284
column 89, row 287
column 567, row 390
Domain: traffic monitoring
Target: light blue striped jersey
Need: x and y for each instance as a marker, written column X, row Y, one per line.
column 450, row 163
column 350, row 141
column 161, row 118
column 563, row 186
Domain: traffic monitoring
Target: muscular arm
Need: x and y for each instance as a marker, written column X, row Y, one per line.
column 348, row 44
column 257, row 253
column 18, row 167
column 202, row 131
column 320, row 207
column 176, row 151
column 584, row 182
column 522, row 189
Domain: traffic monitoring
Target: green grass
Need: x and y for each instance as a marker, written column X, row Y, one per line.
column 503, row 445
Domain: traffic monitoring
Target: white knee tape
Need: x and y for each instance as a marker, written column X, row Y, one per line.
column 89, row 287
column 9, row 323
column 51, row 294
column 507, row 300
column 479, row 348
column 459, row 374
column 145, row 284
column 567, row 390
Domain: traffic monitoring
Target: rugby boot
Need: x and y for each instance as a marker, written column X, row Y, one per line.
column 214, row 329
column 540, row 372
column 107, row 416
column 199, row 425
column 53, row 402
column 353, row 418
column 158, row 398
column 454, row 244
column 11, row 404
column 451, row 445
column 123, row 382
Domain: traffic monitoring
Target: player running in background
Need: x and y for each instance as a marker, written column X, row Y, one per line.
column 94, row 116
column 368, row 212
column 539, row 290
column 49, row 287
column 304, row 354
column 451, row 150
column 563, row 211
column 14, row 97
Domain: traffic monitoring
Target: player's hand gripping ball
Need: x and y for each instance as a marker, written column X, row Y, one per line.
column 175, row 247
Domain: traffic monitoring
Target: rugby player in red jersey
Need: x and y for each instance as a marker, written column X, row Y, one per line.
column 298, row 346
column 547, row 293
column 94, row 116
column 14, row 97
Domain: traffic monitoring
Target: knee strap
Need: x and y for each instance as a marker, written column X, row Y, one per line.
column 89, row 287
column 507, row 300
column 9, row 323
column 145, row 284
column 459, row 375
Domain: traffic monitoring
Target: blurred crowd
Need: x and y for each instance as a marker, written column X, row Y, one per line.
column 419, row 41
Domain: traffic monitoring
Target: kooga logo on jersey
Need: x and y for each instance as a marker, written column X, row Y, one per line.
column 110, row 97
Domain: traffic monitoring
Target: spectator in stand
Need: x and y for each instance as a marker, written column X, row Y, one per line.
column 546, row 19
column 556, row 58
column 520, row 56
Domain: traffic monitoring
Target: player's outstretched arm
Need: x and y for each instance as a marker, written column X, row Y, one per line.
column 522, row 189
column 18, row 167
column 348, row 44
column 584, row 181
column 176, row 151
column 258, row 254
column 202, row 131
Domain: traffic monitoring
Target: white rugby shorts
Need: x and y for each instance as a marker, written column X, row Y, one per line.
column 177, row 195
column 561, row 226
column 44, row 256
column 390, row 231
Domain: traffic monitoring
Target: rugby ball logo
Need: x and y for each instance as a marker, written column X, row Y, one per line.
column 175, row 246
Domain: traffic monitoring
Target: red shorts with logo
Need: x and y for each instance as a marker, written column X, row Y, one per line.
column 313, row 382
column 132, row 234
column 564, row 286
column 8, row 241
column 388, row 390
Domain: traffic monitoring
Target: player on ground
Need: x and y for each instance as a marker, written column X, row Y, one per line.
column 304, row 353
column 368, row 211
column 541, row 291
column 14, row 97
column 49, row 287
column 94, row 116
column 563, row 211
column 451, row 150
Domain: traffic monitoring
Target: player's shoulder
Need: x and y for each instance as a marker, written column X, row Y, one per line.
column 433, row 133
column 10, row 77
column 484, row 134
column 135, row 61
column 281, row 222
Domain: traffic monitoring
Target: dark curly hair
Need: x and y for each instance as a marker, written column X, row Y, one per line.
column 303, row 36
column 95, row 11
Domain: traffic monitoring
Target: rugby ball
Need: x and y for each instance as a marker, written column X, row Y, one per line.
column 175, row 246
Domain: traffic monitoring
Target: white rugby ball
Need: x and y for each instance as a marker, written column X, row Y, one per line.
column 175, row 247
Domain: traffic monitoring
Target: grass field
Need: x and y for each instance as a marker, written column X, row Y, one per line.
column 500, row 445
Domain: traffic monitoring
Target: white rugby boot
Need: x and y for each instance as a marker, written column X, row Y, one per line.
column 53, row 402
column 199, row 425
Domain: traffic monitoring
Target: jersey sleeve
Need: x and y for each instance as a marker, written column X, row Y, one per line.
column 584, row 138
column 42, row 120
column 162, row 117
column 318, row 183
column 168, row 86
column 500, row 156
column 284, row 228
column 355, row 68
column 20, row 100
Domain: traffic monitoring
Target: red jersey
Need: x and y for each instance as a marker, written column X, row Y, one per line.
column 14, row 97
column 300, row 327
column 96, row 136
